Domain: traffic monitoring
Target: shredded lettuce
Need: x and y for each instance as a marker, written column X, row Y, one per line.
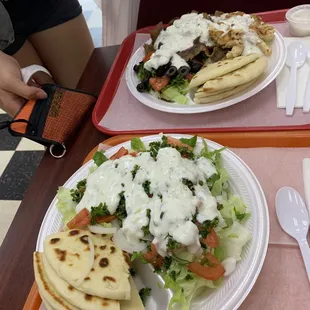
column 184, row 285
column 99, row 158
column 172, row 93
column 191, row 141
column 137, row 145
column 233, row 239
column 65, row 205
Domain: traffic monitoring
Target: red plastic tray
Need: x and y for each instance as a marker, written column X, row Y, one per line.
column 111, row 85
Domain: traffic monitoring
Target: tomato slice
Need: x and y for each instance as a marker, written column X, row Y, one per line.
column 151, row 255
column 189, row 76
column 158, row 83
column 177, row 142
column 213, row 272
column 105, row 219
column 133, row 154
column 80, row 220
column 120, row 153
column 212, row 240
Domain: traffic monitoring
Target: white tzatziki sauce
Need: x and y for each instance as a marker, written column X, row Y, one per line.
column 182, row 33
column 172, row 204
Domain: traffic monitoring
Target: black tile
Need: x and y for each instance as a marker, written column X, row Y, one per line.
column 7, row 141
column 17, row 174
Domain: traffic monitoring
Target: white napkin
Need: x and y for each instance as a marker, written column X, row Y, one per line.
column 302, row 76
column 306, row 177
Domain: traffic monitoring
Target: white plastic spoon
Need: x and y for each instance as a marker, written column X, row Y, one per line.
column 294, row 220
column 296, row 56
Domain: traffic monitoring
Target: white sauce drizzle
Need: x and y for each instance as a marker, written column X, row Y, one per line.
column 182, row 33
column 173, row 214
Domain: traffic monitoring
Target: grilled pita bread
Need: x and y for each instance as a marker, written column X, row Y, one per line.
column 239, row 77
column 221, row 68
column 103, row 273
column 225, row 94
column 46, row 290
column 74, row 296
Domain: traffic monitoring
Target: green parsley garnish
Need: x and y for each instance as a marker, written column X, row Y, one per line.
column 95, row 212
column 172, row 244
column 190, row 185
column 99, row 158
column 138, row 255
column 121, row 212
column 134, row 171
column 78, row 193
column 132, row 271
column 206, row 226
column 144, row 294
column 146, row 186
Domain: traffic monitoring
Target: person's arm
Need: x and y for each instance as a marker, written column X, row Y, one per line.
column 13, row 91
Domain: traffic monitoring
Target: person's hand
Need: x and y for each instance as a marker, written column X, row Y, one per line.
column 13, row 91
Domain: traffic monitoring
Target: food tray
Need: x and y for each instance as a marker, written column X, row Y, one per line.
column 279, row 286
column 118, row 112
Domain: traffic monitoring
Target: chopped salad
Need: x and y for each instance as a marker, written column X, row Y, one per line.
column 167, row 204
column 177, row 52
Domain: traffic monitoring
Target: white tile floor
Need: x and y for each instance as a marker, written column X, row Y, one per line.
column 12, row 150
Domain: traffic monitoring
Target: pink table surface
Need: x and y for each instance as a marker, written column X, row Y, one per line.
column 282, row 283
column 126, row 113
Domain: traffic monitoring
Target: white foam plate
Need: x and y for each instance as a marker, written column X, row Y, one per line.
column 275, row 65
column 237, row 286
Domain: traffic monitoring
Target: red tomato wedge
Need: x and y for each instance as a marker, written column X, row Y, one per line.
column 189, row 76
column 147, row 57
column 153, row 257
column 120, row 153
column 105, row 219
column 80, row 220
column 133, row 154
column 212, row 240
column 158, row 83
column 208, row 272
column 177, row 142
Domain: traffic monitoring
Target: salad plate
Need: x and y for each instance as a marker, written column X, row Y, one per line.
column 161, row 72
column 248, row 243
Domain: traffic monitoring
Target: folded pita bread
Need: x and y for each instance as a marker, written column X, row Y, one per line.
column 203, row 94
column 73, row 295
column 46, row 290
column 135, row 302
column 221, row 68
column 225, row 94
column 239, row 77
column 91, row 263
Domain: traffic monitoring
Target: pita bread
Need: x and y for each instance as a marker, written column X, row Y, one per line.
column 74, row 296
column 202, row 94
column 220, row 96
column 239, row 77
column 47, row 291
column 221, row 68
column 105, row 275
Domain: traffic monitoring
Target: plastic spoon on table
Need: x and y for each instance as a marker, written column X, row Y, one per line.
column 294, row 220
column 306, row 106
column 296, row 56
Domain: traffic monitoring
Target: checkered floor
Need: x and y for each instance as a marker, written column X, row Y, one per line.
column 19, row 158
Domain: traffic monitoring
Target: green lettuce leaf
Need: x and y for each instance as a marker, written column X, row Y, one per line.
column 99, row 158
column 171, row 93
column 65, row 205
column 184, row 285
column 137, row 145
column 191, row 141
